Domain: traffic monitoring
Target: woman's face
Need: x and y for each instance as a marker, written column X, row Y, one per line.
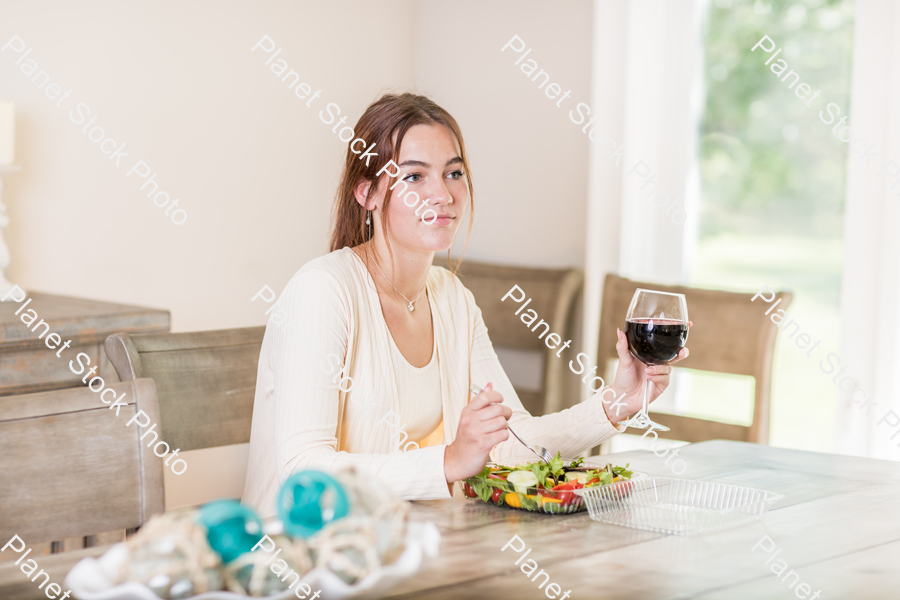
column 431, row 192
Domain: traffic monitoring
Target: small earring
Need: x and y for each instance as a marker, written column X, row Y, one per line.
column 368, row 217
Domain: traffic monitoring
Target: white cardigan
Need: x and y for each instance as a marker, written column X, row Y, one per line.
column 329, row 319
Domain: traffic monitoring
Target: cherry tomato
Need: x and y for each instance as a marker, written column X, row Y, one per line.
column 495, row 497
column 469, row 491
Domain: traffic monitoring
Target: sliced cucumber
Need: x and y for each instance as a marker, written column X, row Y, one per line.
column 522, row 480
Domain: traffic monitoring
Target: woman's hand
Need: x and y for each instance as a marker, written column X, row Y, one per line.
column 482, row 425
column 628, row 388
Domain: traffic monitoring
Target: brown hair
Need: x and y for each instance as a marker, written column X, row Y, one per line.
column 389, row 115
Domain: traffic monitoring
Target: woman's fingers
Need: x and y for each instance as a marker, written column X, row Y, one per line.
column 661, row 384
column 485, row 398
column 491, row 412
column 625, row 357
column 494, row 425
column 493, row 439
column 682, row 354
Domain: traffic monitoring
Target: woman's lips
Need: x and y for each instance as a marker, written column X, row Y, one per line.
column 444, row 219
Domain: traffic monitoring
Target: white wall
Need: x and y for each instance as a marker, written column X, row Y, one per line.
column 529, row 161
column 254, row 167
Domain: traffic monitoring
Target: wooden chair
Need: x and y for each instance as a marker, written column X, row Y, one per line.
column 553, row 293
column 206, row 381
column 72, row 468
column 731, row 334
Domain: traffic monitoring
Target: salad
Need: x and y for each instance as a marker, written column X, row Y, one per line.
column 541, row 487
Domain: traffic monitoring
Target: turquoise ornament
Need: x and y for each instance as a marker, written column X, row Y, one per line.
column 231, row 528
column 308, row 501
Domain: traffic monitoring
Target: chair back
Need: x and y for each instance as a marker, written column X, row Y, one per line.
column 72, row 468
column 553, row 294
column 731, row 334
column 206, row 381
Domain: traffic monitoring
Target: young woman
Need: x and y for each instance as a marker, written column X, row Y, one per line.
column 375, row 369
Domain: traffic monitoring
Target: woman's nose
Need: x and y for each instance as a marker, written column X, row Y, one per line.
column 440, row 195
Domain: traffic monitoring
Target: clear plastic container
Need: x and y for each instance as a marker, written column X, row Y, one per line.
column 677, row 506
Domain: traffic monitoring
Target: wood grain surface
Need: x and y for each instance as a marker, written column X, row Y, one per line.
column 206, row 381
column 836, row 527
column 79, row 319
column 60, row 483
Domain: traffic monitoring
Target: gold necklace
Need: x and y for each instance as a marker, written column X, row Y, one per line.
column 410, row 305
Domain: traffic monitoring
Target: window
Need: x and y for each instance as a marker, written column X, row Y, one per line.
column 772, row 181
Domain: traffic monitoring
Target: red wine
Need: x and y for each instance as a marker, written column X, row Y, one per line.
column 655, row 341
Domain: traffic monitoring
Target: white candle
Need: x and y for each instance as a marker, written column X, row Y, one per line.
column 7, row 133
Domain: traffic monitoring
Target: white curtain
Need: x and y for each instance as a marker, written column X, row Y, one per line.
column 645, row 94
column 871, row 273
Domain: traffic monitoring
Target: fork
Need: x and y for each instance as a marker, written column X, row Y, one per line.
column 539, row 451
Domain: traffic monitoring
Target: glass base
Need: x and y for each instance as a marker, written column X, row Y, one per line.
column 642, row 421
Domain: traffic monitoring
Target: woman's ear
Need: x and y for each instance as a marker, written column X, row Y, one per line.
column 361, row 191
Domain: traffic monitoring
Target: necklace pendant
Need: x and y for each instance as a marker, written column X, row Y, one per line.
column 411, row 307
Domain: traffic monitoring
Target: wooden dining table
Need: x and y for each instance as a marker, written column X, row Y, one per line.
column 835, row 527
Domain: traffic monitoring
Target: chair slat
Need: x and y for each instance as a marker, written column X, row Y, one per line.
column 731, row 334
column 206, row 381
column 553, row 294
column 73, row 468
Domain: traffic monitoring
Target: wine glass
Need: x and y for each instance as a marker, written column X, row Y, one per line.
column 657, row 329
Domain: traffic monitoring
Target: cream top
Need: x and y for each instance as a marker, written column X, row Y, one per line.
column 328, row 396
column 419, row 389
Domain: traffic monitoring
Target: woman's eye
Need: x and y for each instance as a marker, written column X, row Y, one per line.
column 410, row 177
column 456, row 175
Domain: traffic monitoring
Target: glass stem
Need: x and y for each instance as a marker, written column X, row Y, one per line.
column 645, row 409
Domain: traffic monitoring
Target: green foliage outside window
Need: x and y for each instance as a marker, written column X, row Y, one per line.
column 767, row 162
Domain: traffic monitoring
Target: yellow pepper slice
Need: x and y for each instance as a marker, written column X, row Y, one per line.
column 512, row 499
